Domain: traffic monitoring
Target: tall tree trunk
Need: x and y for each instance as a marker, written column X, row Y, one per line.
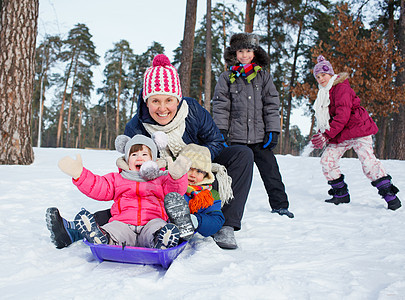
column 79, row 126
column 188, row 47
column 208, row 60
column 292, row 83
column 398, row 145
column 224, row 32
column 117, row 113
column 18, row 30
column 250, row 15
column 62, row 107
column 70, row 108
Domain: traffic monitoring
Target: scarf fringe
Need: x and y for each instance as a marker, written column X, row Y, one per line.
column 224, row 183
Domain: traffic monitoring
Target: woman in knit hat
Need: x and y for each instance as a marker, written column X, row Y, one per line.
column 246, row 111
column 138, row 190
column 342, row 124
column 162, row 107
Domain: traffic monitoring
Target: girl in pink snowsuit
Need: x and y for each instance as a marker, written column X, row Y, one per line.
column 138, row 191
column 342, row 124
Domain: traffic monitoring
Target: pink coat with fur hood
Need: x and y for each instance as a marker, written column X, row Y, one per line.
column 349, row 119
column 135, row 202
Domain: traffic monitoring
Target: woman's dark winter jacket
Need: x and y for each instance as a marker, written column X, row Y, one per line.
column 246, row 110
column 200, row 127
column 349, row 119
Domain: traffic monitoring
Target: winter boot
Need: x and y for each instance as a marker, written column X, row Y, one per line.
column 87, row 226
column 388, row 191
column 339, row 191
column 167, row 237
column 225, row 238
column 283, row 211
column 179, row 214
column 63, row 233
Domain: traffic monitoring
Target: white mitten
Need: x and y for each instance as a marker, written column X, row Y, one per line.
column 161, row 162
column 70, row 166
column 122, row 164
column 149, row 170
column 178, row 168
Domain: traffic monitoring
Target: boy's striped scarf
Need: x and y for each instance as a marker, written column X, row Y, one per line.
column 200, row 197
column 249, row 71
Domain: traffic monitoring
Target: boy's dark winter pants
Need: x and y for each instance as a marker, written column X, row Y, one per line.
column 268, row 167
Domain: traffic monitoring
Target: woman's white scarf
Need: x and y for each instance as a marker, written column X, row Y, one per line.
column 321, row 106
column 174, row 130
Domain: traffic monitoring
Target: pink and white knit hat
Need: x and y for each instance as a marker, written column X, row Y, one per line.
column 161, row 79
column 323, row 66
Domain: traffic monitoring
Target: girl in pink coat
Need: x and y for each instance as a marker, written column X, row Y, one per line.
column 342, row 124
column 138, row 191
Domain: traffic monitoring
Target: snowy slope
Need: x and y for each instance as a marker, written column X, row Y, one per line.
column 353, row 251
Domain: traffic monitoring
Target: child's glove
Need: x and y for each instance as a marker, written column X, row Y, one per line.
column 122, row 164
column 319, row 140
column 224, row 134
column 270, row 140
column 71, row 167
column 178, row 168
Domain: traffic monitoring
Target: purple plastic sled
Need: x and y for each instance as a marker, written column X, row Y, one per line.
column 136, row 255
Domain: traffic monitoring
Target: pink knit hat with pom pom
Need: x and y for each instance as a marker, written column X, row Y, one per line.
column 161, row 79
column 323, row 66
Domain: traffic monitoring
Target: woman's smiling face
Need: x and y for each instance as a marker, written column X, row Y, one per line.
column 162, row 108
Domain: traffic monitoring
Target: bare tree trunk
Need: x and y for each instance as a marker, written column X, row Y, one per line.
column 117, row 113
column 18, row 30
column 79, row 126
column 292, row 83
column 224, row 32
column 208, row 60
column 250, row 15
column 62, row 107
column 70, row 108
column 382, row 134
column 398, row 145
column 188, row 47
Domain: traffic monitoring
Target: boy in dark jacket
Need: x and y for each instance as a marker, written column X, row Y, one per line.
column 342, row 124
column 246, row 110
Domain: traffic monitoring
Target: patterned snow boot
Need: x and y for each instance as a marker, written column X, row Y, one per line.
column 167, row 237
column 179, row 214
column 388, row 191
column 339, row 191
column 87, row 226
column 63, row 232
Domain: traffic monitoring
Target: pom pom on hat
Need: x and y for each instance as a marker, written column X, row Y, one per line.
column 161, row 60
column 323, row 66
column 161, row 79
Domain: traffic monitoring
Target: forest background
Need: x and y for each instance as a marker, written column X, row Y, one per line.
column 364, row 38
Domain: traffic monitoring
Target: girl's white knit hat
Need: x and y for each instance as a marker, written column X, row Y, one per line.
column 161, row 79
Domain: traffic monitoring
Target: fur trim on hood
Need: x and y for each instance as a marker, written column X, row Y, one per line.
column 341, row 77
column 245, row 41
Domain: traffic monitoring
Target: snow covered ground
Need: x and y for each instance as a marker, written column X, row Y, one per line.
column 354, row 251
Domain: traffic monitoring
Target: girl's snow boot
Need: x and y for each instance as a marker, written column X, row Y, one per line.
column 388, row 191
column 179, row 214
column 63, row 233
column 87, row 226
column 339, row 191
column 167, row 237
